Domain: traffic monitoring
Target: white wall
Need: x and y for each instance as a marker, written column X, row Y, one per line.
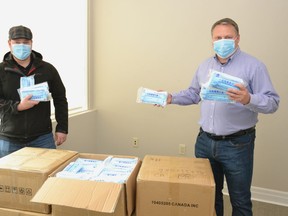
column 158, row 44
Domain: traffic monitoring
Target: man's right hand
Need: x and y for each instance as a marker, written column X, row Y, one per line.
column 26, row 103
column 168, row 101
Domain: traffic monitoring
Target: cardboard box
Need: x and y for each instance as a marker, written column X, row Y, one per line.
column 89, row 198
column 23, row 172
column 175, row 186
column 13, row 212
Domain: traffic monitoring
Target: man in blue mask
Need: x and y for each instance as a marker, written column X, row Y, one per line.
column 227, row 130
column 225, row 41
column 24, row 121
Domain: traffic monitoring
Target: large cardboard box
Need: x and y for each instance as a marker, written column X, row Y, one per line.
column 175, row 186
column 13, row 212
column 23, row 172
column 89, row 198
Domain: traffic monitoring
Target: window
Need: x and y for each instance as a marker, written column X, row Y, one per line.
column 59, row 30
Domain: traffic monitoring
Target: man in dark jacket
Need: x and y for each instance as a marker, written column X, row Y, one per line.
column 26, row 121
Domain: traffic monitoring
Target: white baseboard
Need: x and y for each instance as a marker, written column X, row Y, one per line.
column 266, row 195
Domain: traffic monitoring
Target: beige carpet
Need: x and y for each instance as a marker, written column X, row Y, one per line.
column 260, row 209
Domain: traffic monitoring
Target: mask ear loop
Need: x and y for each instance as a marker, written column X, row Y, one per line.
column 237, row 40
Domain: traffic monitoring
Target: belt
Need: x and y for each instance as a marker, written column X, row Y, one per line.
column 230, row 136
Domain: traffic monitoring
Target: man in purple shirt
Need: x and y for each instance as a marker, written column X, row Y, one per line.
column 227, row 130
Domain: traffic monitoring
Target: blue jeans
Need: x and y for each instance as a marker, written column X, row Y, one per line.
column 233, row 159
column 44, row 141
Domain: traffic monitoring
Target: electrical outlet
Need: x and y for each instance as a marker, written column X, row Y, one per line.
column 182, row 149
column 135, row 142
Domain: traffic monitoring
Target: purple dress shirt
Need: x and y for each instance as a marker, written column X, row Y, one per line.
column 226, row 118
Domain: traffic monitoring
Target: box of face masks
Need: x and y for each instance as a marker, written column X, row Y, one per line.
column 175, row 186
column 23, row 172
column 90, row 195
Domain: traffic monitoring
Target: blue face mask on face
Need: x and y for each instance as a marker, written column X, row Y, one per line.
column 21, row 51
column 224, row 48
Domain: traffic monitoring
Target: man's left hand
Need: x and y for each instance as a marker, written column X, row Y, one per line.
column 60, row 138
column 242, row 95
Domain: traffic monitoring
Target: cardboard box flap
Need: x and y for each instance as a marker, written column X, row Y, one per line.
column 129, row 186
column 40, row 160
column 94, row 196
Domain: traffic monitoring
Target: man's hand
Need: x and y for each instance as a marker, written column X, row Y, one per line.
column 60, row 138
column 26, row 103
column 168, row 101
column 242, row 95
column 169, row 98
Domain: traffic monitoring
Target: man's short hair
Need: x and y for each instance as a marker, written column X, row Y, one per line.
column 226, row 21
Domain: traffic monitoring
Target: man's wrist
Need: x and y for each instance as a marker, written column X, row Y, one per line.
column 169, row 98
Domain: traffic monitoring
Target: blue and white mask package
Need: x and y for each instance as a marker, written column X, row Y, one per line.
column 27, row 81
column 149, row 96
column 223, row 81
column 112, row 169
column 217, row 85
column 39, row 92
column 214, row 95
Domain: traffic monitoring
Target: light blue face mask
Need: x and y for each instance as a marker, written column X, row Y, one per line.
column 21, row 51
column 224, row 48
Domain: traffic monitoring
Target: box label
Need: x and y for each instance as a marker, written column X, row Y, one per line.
column 175, row 204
